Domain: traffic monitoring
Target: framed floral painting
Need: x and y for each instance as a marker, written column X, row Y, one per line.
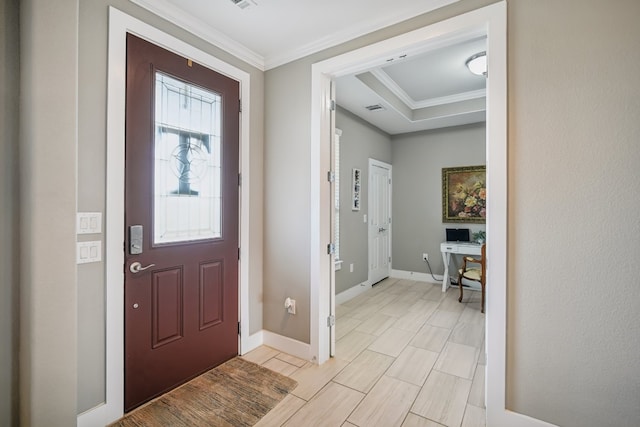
column 464, row 194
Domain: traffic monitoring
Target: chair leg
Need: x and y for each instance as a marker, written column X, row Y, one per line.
column 483, row 286
column 460, row 286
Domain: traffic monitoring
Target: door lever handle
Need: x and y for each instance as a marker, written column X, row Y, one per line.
column 136, row 267
column 381, row 229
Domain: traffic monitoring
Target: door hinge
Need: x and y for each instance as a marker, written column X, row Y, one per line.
column 239, row 330
column 332, row 105
column 238, row 254
column 331, row 176
column 331, row 321
column 331, row 249
column 389, row 259
column 389, row 180
column 240, row 105
column 239, row 180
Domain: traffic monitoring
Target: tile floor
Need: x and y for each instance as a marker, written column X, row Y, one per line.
column 407, row 354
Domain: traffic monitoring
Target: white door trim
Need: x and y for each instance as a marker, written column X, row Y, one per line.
column 383, row 165
column 119, row 24
column 492, row 22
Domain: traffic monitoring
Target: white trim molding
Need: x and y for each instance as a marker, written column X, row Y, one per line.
column 119, row 25
column 352, row 292
column 490, row 21
column 415, row 275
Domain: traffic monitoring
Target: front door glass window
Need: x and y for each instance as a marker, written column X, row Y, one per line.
column 187, row 168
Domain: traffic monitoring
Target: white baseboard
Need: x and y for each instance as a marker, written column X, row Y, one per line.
column 287, row 345
column 413, row 275
column 352, row 292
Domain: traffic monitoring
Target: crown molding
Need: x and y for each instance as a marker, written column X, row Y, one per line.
column 353, row 32
column 188, row 22
column 391, row 84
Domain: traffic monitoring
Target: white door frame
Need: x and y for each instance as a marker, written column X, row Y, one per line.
column 373, row 162
column 119, row 24
column 492, row 22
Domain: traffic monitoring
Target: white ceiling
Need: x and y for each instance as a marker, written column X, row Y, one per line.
column 425, row 91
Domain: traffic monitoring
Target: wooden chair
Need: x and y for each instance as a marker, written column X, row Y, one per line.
column 476, row 273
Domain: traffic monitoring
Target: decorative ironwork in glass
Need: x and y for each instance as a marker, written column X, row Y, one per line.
column 187, row 167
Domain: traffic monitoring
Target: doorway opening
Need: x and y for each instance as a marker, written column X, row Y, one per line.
column 490, row 22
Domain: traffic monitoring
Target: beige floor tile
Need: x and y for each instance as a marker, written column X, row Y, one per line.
column 382, row 298
column 400, row 286
column 413, row 365
column 471, row 334
column 386, row 404
column 411, row 295
column 450, row 303
column 444, row 319
column 472, row 314
column 330, row 407
column 431, row 338
column 260, row 354
column 359, row 300
column 414, row 420
column 365, row 311
column 344, row 325
column 280, row 366
column 458, row 359
column 348, row 424
column 482, row 360
column 392, row 342
column 291, row 359
column 396, row 308
column 435, row 294
column 476, row 396
column 424, row 306
column 364, row 371
column 412, row 321
column 474, row 417
column 376, row 324
column 443, row 398
column 312, row 378
column 342, row 310
column 352, row 344
column 282, row 412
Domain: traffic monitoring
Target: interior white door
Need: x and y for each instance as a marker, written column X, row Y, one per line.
column 379, row 220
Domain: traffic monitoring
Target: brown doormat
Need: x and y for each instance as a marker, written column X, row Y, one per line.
column 236, row 393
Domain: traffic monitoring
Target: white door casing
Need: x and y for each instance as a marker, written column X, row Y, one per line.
column 379, row 224
column 119, row 24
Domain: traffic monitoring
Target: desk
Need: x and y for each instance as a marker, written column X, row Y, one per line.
column 448, row 248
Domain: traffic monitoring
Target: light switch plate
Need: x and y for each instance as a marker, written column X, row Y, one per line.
column 89, row 222
column 89, row 252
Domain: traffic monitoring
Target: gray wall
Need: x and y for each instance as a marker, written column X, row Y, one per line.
column 418, row 159
column 9, row 303
column 93, row 31
column 359, row 142
column 574, row 232
column 573, row 132
column 48, row 141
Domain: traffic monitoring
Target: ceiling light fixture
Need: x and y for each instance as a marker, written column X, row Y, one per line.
column 477, row 64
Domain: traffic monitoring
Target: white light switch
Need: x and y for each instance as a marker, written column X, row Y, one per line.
column 364, row 218
column 89, row 252
column 89, row 222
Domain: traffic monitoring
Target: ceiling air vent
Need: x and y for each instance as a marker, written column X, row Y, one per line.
column 375, row 107
column 244, row 4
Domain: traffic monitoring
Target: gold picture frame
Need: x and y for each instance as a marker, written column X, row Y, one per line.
column 464, row 194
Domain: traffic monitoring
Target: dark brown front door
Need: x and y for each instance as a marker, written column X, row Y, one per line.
column 181, row 217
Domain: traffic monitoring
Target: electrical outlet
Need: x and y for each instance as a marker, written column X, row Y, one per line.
column 290, row 305
column 425, row 257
